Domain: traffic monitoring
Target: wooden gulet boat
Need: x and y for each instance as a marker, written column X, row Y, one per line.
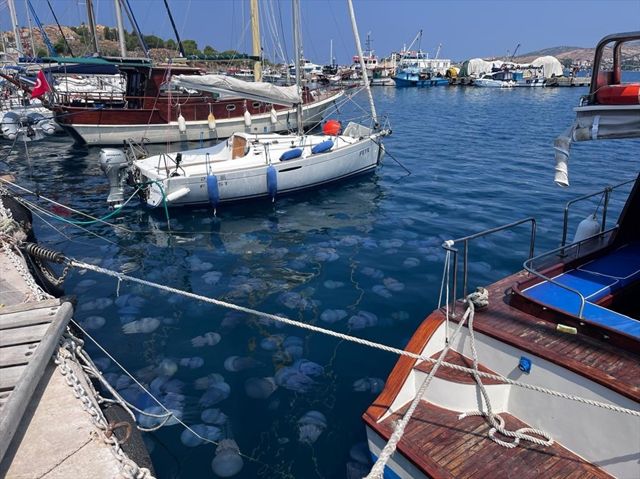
column 154, row 110
column 544, row 379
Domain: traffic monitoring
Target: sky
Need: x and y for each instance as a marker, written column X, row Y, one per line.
column 464, row 28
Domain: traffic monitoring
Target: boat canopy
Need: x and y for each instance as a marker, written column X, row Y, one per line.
column 260, row 91
column 551, row 66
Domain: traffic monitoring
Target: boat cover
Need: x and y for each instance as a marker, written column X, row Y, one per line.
column 595, row 122
column 551, row 66
column 260, row 91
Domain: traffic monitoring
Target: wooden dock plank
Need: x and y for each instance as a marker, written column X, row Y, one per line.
column 26, row 318
column 10, row 376
column 27, row 334
column 15, row 407
column 31, row 306
column 16, row 355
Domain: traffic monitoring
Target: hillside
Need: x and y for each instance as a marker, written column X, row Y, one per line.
column 631, row 53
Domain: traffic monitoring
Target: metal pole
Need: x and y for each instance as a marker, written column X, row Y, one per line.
column 33, row 45
column 92, row 26
column 455, row 282
column 297, row 48
column 465, row 263
column 255, row 34
column 175, row 30
column 121, row 41
column 605, row 206
column 16, row 28
column 60, row 28
column 363, row 68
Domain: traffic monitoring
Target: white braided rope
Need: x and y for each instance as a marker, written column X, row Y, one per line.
column 372, row 344
column 377, row 471
column 481, row 298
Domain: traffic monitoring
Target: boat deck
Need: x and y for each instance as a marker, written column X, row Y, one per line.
column 454, row 447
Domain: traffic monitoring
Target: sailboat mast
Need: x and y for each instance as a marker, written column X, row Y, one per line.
column 363, row 68
column 121, row 41
column 14, row 25
column 255, row 34
column 92, row 26
column 175, row 30
column 297, row 47
column 33, row 44
column 60, row 29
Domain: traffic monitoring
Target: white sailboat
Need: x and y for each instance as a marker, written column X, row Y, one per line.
column 249, row 165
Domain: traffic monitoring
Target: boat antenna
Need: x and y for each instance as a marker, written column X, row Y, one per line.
column 365, row 77
column 175, row 30
column 297, row 48
column 134, row 23
column 66, row 43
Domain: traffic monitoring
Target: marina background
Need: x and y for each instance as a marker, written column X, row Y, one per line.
column 478, row 158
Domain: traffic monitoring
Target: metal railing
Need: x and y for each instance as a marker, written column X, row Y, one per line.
column 449, row 246
column 561, row 252
column 606, row 192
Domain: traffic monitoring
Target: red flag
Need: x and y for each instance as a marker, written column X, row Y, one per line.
column 42, row 86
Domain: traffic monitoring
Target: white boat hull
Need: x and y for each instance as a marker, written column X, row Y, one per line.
column 199, row 130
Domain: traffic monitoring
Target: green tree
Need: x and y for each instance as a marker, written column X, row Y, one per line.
column 61, row 47
column 190, row 47
column 171, row 44
column 42, row 52
column 209, row 50
column 153, row 41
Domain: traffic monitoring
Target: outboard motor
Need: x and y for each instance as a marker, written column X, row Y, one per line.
column 47, row 126
column 114, row 164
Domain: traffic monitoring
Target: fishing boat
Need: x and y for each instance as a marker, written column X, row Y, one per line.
column 248, row 165
column 416, row 69
column 499, row 79
column 540, row 376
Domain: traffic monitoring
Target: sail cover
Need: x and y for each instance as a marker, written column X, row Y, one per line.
column 260, row 91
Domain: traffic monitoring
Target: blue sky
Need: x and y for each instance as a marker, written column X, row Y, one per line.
column 465, row 28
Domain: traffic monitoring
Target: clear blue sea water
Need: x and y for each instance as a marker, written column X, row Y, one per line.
column 361, row 257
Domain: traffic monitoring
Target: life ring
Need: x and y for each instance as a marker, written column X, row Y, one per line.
column 625, row 94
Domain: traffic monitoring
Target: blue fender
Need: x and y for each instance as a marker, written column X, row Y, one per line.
column 272, row 181
column 212, row 190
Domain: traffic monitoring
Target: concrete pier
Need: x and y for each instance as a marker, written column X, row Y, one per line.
column 54, row 437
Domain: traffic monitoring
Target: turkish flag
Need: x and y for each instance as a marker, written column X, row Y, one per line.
column 41, row 87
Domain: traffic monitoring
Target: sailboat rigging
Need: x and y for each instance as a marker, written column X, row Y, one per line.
column 248, row 165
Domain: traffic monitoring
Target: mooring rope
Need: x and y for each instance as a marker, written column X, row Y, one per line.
column 364, row 342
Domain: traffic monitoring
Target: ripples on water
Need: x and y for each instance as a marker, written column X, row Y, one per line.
column 363, row 257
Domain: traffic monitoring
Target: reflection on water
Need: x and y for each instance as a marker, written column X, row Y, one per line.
column 362, row 257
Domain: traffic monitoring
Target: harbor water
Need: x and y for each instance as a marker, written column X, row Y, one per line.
column 363, row 258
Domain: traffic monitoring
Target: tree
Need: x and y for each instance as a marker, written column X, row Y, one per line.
column 190, row 47
column 567, row 62
column 61, row 47
column 209, row 50
column 153, row 41
column 171, row 44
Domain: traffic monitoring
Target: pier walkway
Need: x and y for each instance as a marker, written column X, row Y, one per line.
column 44, row 430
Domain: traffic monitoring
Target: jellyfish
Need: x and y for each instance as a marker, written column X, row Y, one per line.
column 196, row 264
column 411, row 262
column 99, row 303
column 333, row 315
column 359, row 452
column 381, row 291
column 260, row 388
column 212, row 277
column 294, row 346
column 326, row 255
column 290, row 299
column 144, row 325
column 372, row 272
column 189, row 437
column 240, row 363
column 207, row 339
column 373, row 385
column 273, row 342
column 93, row 322
column 213, row 416
column 192, row 363
column 207, row 381
column 393, row 284
column 330, row 284
column 216, row 393
column 293, row 380
column 102, row 363
column 227, row 461
column 400, row 315
column 310, row 426
column 149, row 420
column 167, row 367
column 308, row 368
column 363, row 320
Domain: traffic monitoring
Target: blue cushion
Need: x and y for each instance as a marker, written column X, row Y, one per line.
column 592, row 286
column 612, row 319
column 322, row 147
column 622, row 264
column 291, row 154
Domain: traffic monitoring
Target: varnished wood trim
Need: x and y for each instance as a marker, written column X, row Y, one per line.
column 401, row 370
